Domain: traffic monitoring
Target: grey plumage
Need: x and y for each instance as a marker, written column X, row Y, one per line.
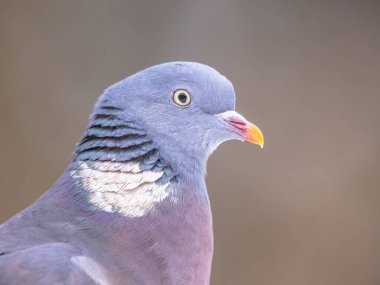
column 132, row 207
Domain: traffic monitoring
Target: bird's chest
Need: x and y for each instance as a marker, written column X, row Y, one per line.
column 174, row 246
column 161, row 228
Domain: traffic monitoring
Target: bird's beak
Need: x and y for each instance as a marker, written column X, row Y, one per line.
column 241, row 126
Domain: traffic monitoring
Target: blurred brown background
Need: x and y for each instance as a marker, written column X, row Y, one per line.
column 306, row 208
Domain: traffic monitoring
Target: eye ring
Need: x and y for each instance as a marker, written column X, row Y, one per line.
column 182, row 97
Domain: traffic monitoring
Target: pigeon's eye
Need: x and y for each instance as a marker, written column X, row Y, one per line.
column 182, row 97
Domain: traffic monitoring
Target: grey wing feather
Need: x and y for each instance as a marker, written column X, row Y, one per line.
column 43, row 265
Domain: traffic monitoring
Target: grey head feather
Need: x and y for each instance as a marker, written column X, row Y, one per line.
column 184, row 136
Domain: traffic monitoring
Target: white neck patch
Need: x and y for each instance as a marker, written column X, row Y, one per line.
column 122, row 188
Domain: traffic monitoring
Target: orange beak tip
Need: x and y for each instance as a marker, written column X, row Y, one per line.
column 255, row 135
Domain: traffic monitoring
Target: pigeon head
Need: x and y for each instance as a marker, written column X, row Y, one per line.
column 185, row 109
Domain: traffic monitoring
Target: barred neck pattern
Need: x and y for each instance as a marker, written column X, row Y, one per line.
column 120, row 168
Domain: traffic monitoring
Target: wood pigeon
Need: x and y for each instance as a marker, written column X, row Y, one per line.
column 132, row 207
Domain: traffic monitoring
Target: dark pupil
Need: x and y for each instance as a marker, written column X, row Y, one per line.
column 182, row 97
